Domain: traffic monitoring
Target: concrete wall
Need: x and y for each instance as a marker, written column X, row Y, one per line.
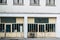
column 31, row 9
column 20, row 20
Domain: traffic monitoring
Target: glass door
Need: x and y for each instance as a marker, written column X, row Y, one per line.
column 8, row 28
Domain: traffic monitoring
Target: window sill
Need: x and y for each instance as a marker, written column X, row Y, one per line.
column 34, row 5
column 3, row 3
column 50, row 5
column 19, row 4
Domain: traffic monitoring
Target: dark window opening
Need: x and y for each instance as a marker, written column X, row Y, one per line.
column 50, row 27
column 8, row 28
column 17, row 27
column 41, row 28
column 1, row 27
column 8, row 20
column 32, row 27
column 41, row 20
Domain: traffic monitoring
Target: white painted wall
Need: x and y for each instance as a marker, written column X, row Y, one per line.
column 33, row 9
column 58, row 27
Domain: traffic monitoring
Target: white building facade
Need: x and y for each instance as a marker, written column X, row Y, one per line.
column 26, row 9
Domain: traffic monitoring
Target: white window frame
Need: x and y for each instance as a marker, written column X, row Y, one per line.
column 3, row 2
column 50, row 2
column 36, row 3
column 17, row 2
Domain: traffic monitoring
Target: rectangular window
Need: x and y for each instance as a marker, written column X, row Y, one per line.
column 8, row 20
column 0, row 20
column 50, row 27
column 1, row 27
column 32, row 27
column 8, row 28
column 41, row 28
column 18, row 2
column 50, row 2
column 17, row 27
column 41, row 20
column 3, row 2
column 34, row 2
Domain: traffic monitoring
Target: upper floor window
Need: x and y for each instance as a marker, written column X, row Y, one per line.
column 50, row 2
column 18, row 2
column 2, row 2
column 34, row 2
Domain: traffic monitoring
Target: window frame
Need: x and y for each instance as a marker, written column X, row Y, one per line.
column 3, row 28
column 3, row 3
column 50, row 28
column 15, row 28
column 48, row 3
column 18, row 2
column 32, row 27
column 33, row 4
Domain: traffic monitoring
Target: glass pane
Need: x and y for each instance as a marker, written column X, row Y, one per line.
column 0, row 1
column 41, row 28
column 32, row 27
column 8, row 20
column 34, row 2
column 1, row 27
column 50, row 2
column 50, row 27
column 8, row 28
column 17, row 27
column 41, row 20
column 14, row 27
column 20, row 1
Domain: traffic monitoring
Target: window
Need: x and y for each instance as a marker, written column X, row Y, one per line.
column 18, row 2
column 8, row 20
column 41, row 20
column 32, row 27
column 0, row 20
column 41, row 28
column 8, row 28
column 50, row 2
column 34, row 2
column 1, row 27
column 3, row 1
column 17, row 27
column 50, row 27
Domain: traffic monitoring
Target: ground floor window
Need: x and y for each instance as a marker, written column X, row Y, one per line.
column 32, row 27
column 2, row 28
column 17, row 27
column 50, row 27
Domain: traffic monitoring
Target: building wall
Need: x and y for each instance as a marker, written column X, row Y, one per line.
column 20, row 20
column 11, row 10
column 31, row 9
